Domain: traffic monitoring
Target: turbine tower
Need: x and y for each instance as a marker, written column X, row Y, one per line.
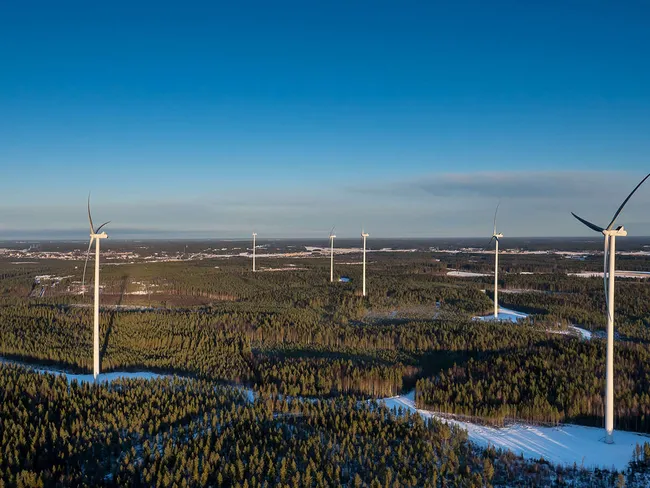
column 609, row 270
column 495, row 237
column 332, row 237
column 254, row 236
column 95, row 235
column 364, row 235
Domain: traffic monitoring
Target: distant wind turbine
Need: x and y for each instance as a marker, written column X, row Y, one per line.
column 364, row 235
column 495, row 237
column 96, row 236
column 254, row 236
column 332, row 237
column 609, row 276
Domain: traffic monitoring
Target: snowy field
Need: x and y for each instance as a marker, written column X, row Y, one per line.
column 563, row 445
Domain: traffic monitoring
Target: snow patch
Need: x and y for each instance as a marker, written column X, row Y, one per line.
column 503, row 314
column 573, row 330
column 619, row 274
column 88, row 378
column 466, row 274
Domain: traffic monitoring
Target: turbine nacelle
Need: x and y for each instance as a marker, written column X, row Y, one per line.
column 94, row 234
column 618, row 232
column 495, row 237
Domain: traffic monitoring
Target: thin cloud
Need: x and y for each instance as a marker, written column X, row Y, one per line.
column 516, row 185
column 445, row 205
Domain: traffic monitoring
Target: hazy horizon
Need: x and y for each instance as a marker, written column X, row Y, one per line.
column 262, row 240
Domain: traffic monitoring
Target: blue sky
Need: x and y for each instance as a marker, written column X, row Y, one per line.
column 411, row 118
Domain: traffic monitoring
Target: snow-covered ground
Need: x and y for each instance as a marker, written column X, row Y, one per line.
column 619, row 274
column 88, row 378
column 248, row 393
column 466, row 274
column 584, row 333
column 562, row 445
column 573, row 330
column 106, row 377
column 288, row 268
column 508, row 315
column 504, row 314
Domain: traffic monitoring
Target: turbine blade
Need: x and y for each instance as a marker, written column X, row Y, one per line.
column 495, row 217
column 90, row 219
column 83, row 279
column 588, row 224
column 493, row 238
column 100, row 227
column 620, row 209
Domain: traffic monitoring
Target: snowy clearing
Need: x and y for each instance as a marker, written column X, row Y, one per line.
column 290, row 268
column 618, row 274
column 584, row 333
column 88, row 378
column 562, row 445
column 573, row 330
column 466, row 274
column 248, row 393
column 504, row 314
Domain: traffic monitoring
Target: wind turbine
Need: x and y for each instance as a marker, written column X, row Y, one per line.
column 495, row 237
column 254, row 236
column 608, row 277
column 364, row 235
column 332, row 236
column 96, row 236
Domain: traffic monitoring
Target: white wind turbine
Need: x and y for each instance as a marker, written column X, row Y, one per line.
column 332, row 237
column 609, row 271
column 495, row 237
column 96, row 236
column 364, row 235
column 254, row 236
